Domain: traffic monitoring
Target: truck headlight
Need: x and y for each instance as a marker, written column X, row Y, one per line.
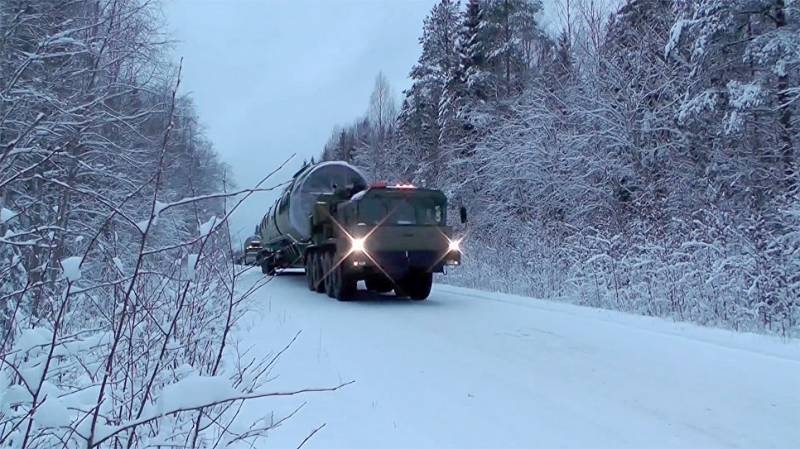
column 455, row 245
column 357, row 245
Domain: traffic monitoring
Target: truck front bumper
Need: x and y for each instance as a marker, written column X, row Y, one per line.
column 250, row 257
column 398, row 263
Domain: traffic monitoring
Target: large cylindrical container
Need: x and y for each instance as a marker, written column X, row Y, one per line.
column 288, row 220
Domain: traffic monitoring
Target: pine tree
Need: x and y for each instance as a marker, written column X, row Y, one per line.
column 452, row 119
column 743, row 58
column 470, row 50
column 430, row 75
column 507, row 31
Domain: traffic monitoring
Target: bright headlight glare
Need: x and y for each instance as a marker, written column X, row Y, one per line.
column 357, row 245
column 455, row 245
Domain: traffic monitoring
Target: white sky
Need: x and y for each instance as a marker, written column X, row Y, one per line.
column 273, row 77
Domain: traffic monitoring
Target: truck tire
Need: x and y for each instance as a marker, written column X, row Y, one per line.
column 343, row 284
column 379, row 284
column 266, row 267
column 417, row 285
column 327, row 264
column 319, row 285
column 309, row 267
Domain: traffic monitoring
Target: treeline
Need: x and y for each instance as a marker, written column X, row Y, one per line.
column 115, row 271
column 644, row 160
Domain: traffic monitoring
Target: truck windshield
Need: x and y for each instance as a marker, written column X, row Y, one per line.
column 401, row 211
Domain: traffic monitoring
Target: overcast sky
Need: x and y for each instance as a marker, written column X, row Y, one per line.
column 272, row 77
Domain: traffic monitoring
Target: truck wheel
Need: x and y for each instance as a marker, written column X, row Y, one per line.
column 343, row 285
column 309, row 267
column 319, row 285
column 266, row 267
column 327, row 264
column 379, row 284
column 418, row 285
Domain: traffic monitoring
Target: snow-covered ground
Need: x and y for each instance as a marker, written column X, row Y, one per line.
column 468, row 369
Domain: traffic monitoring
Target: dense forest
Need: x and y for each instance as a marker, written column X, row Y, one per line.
column 116, row 282
column 643, row 160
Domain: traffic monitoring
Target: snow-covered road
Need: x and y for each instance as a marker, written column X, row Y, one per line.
column 468, row 369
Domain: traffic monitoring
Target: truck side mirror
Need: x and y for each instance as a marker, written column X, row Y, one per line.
column 463, row 212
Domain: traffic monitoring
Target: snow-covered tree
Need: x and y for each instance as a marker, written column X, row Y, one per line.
column 117, row 288
column 739, row 115
column 421, row 121
column 644, row 160
column 508, row 32
column 743, row 57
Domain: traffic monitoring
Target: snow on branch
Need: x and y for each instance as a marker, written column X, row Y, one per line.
column 196, row 393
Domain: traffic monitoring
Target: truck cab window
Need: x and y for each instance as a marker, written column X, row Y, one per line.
column 403, row 213
column 390, row 211
column 429, row 212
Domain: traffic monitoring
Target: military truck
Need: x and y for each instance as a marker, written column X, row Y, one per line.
column 341, row 230
column 252, row 246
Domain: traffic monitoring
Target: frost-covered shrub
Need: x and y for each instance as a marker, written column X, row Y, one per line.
column 704, row 270
column 156, row 367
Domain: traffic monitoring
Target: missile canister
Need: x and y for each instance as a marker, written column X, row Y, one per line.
column 288, row 220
